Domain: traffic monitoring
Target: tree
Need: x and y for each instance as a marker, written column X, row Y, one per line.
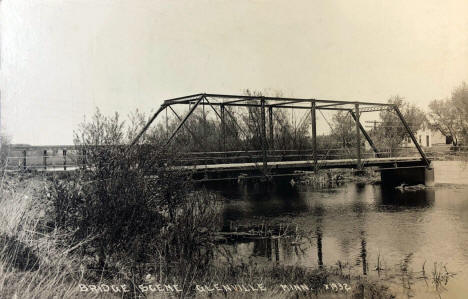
column 391, row 132
column 445, row 117
column 450, row 116
column 288, row 134
column 344, row 129
column 460, row 99
column 131, row 206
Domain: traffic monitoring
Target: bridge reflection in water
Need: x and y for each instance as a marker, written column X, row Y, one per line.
column 336, row 222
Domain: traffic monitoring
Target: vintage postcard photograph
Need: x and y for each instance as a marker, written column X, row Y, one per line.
column 233, row 149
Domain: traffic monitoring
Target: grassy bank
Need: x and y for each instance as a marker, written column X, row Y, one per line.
column 33, row 261
column 37, row 260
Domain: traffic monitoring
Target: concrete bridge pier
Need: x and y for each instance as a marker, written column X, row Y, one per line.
column 408, row 176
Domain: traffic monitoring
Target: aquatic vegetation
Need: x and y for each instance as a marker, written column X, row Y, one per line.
column 440, row 276
column 332, row 178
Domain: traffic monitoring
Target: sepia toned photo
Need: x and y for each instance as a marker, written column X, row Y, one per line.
column 233, row 149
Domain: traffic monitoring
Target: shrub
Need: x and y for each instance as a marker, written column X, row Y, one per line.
column 139, row 212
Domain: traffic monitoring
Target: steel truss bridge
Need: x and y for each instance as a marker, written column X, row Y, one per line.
column 268, row 161
column 263, row 159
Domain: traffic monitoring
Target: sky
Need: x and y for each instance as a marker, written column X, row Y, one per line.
column 62, row 59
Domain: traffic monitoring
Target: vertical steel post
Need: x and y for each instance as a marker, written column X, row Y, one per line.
column 363, row 131
column 204, row 122
column 264, row 143
column 270, row 122
column 135, row 140
column 223, row 128
column 314, row 133
column 358, row 138
column 187, row 128
column 167, row 125
column 44, row 154
column 182, row 122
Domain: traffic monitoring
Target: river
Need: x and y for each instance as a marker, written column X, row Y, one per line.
column 388, row 235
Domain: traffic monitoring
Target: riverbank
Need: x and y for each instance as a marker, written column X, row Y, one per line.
column 36, row 262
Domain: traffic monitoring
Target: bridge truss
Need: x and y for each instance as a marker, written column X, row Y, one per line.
column 266, row 104
column 257, row 154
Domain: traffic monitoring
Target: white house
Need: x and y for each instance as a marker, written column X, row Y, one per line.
column 428, row 138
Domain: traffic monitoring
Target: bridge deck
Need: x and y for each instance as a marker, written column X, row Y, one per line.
column 232, row 170
column 303, row 165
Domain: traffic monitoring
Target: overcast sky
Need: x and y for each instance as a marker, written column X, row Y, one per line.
column 61, row 59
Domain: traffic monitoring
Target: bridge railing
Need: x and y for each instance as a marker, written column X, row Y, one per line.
column 69, row 158
column 43, row 158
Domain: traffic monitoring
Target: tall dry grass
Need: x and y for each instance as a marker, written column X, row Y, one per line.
column 33, row 261
column 37, row 259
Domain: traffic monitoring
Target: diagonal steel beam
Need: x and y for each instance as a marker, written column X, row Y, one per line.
column 413, row 138
column 223, row 111
column 235, row 122
column 369, row 140
column 148, row 124
column 217, row 113
column 221, row 117
column 186, row 127
column 184, row 120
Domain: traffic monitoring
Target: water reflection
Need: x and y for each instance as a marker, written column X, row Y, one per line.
column 339, row 220
column 318, row 235
column 357, row 225
column 267, row 200
column 392, row 199
column 363, row 254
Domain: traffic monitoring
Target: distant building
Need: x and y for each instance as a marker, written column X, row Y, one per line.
column 427, row 137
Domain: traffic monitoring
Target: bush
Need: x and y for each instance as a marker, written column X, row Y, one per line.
column 139, row 212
